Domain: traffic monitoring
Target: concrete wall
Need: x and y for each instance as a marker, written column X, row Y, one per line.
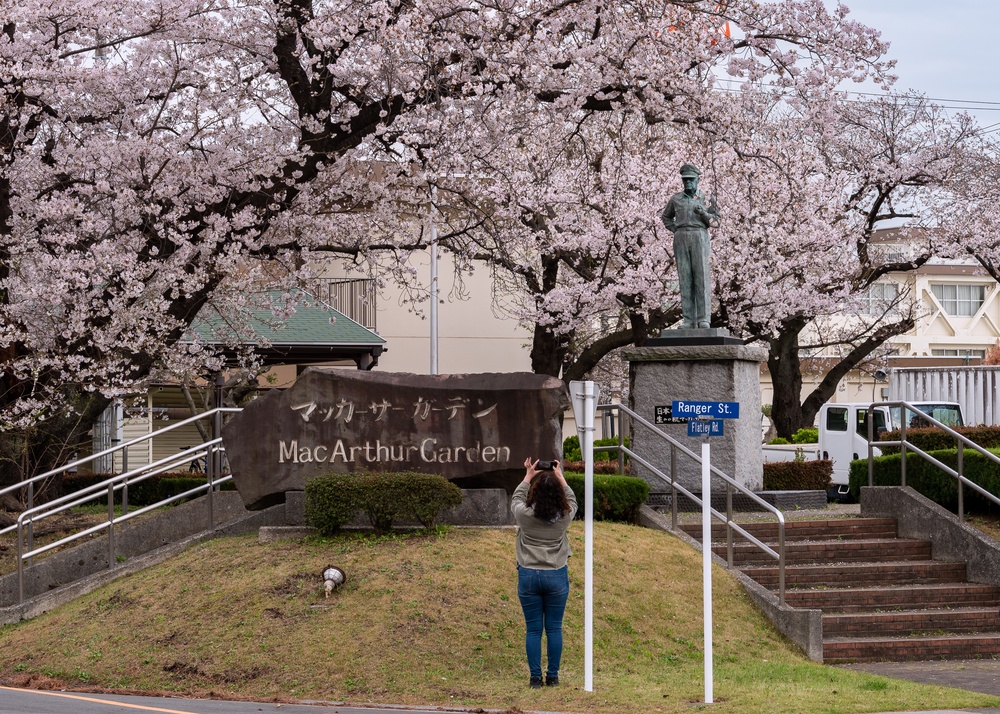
column 133, row 539
column 801, row 626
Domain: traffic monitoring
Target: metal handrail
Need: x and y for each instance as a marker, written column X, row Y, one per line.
column 727, row 518
column 962, row 442
column 30, row 482
column 208, row 450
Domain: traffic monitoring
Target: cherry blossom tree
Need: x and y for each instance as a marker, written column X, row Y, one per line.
column 799, row 258
column 158, row 155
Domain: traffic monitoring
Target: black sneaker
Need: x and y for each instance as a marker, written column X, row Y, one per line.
column 535, row 683
column 552, row 681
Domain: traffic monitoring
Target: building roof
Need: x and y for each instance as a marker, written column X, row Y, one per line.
column 313, row 332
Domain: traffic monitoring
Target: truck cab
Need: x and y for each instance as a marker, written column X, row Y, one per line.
column 843, row 431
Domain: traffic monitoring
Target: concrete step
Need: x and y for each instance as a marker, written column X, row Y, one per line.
column 832, row 529
column 912, row 622
column 899, row 649
column 832, row 551
column 853, row 575
column 898, row 597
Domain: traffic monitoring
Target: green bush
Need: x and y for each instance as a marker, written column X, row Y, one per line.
column 428, row 495
column 600, row 467
column 798, row 475
column 145, row 493
column 333, row 500
column 928, row 479
column 933, row 439
column 806, row 435
column 779, row 440
column 616, row 498
column 573, row 452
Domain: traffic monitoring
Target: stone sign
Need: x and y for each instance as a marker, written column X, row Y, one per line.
column 473, row 429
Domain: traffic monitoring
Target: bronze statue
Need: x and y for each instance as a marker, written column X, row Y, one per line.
column 689, row 220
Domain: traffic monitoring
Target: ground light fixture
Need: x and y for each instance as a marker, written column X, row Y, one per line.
column 333, row 577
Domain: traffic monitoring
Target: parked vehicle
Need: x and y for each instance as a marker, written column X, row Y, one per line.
column 843, row 435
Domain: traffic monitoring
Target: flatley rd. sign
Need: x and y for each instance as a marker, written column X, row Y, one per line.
column 473, row 429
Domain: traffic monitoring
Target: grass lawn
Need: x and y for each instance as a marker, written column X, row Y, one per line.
column 433, row 619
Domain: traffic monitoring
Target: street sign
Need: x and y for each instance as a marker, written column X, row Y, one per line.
column 664, row 415
column 708, row 410
column 705, row 427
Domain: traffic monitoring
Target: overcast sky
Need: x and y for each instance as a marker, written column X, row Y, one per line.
column 946, row 49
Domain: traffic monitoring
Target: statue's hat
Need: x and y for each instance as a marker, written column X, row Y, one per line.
column 690, row 170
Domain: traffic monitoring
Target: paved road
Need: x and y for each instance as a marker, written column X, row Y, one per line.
column 33, row 701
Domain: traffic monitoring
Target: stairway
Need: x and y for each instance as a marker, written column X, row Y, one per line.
column 882, row 597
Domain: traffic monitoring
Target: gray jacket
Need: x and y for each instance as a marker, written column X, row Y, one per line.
column 541, row 545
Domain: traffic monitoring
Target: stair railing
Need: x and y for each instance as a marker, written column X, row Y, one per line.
column 678, row 449
column 210, row 452
column 962, row 443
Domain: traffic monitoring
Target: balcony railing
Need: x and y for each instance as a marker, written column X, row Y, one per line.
column 354, row 297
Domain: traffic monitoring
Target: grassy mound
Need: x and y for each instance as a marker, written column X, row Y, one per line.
column 433, row 619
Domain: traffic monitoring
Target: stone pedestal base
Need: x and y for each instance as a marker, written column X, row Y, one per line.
column 659, row 374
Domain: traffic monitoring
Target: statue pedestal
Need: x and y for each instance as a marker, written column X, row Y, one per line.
column 716, row 372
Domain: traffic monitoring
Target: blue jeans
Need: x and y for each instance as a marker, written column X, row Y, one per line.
column 543, row 596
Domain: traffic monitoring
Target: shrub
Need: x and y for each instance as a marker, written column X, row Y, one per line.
column 333, row 500
column 145, row 493
column 571, row 449
column 600, row 467
column 573, row 452
column 427, row 495
column 933, row 439
column 616, row 498
column 779, row 440
column 806, row 435
column 927, row 479
column 798, row 475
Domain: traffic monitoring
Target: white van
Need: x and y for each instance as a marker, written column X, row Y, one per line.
column 843, row 431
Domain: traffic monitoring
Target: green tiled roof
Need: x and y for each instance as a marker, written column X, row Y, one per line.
column 312, row 323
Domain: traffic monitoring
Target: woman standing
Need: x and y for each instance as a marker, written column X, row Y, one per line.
column 543, row 507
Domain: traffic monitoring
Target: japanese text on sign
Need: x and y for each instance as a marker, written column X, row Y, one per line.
column 345, row 410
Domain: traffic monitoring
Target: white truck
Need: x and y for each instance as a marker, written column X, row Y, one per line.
column 843, row 435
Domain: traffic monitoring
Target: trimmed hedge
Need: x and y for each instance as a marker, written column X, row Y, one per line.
column 616, row 498
column 929, row 480
column 145, row 493
column 798, row 475
column 573, row 453
column 600, row 467
column 333, row 500
column 806, row 435
column 933, row 439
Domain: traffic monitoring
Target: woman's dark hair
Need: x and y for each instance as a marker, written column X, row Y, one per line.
column 547, row 498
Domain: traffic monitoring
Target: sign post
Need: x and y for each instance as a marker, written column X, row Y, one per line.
column 584, row 396
column 706, row 561
column 705, row 419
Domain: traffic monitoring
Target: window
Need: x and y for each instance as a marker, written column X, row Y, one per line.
column 836, row 419
column 960, row 300
column 957, row 352
column 878, row 421
column 878, row 298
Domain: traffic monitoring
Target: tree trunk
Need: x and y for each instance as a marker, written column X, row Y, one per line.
column 786, row 380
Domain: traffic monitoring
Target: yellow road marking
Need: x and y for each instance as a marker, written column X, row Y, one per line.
column 81, row 698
